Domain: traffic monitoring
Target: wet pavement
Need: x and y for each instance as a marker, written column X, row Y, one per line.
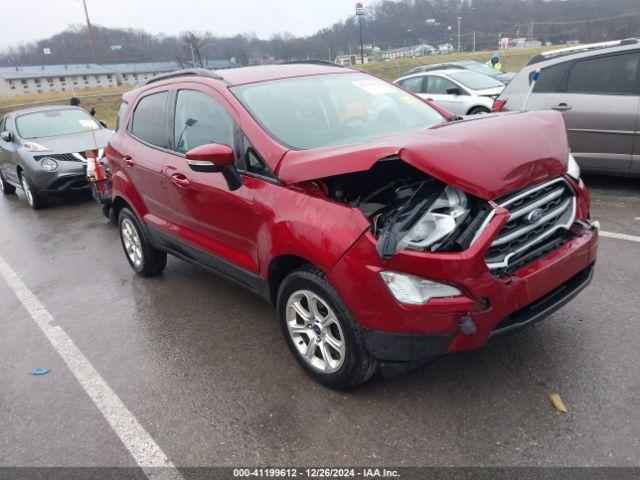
column 203, row 366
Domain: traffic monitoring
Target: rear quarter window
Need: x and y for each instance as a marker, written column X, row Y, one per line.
column 122, row 111
column 550, row 78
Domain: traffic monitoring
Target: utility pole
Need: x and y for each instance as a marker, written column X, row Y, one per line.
column 360, row 14
column 90, row 30
column 459, row 20
column 532, row 31
column 474, row 41
column 193, row 55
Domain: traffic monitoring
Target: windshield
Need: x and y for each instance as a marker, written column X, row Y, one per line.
column 325, row 110
column 476, row 81
column 51, row 123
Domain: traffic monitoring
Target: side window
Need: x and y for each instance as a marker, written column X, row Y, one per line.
column 550, row 78
column 414, row 84
column 439, row 85
column 121, row 113
column 614, row 74
column 148, row 119
column 199, row 120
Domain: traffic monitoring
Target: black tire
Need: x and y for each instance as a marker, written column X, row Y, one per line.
column 5, row 187
column 358, row 365
column 35, row 200
column 151, row 260
column 478, row 110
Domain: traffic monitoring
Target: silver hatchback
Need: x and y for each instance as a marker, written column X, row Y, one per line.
column 42, row 151
column 461, row 92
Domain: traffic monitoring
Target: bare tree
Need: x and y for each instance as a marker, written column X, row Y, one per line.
column 194, row 44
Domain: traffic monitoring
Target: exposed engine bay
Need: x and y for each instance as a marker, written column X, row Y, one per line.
column 408, row 208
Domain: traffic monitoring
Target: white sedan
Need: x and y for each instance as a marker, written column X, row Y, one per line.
column 461, row 92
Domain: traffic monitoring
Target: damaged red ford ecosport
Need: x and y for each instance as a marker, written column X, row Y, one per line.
column 385, row 230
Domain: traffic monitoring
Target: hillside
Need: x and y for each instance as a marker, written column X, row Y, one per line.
column 387, row 24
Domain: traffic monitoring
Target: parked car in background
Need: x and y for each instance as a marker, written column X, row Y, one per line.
column 462, row 92
column 597, row 90
column 43, row 151
column 472, row 65
column 385, row 231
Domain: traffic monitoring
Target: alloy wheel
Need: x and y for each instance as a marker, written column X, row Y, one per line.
column 26, row 189
column 315, row 331
column 131, row 240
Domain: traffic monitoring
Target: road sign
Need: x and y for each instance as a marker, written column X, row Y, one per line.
column 116, row 48
column 359, row 8
column 46, row 51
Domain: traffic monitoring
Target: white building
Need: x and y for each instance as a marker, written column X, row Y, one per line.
column 54, row 78
column 408, row 52
column 348, row 60
column 16, row 81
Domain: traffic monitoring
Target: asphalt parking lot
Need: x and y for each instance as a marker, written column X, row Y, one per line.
column 202, row 367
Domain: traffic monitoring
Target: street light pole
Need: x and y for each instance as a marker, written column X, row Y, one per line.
column 459, row 20
column 90, row 30
column 360, row 14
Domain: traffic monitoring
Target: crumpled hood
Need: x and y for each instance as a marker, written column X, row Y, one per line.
column 75, row 143
column 487, row 156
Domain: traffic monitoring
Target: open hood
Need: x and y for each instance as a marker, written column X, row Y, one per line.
column 487, row 155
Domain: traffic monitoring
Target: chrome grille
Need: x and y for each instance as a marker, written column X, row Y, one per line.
column 540, row 219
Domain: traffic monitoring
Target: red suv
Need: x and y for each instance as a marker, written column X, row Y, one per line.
column 385, row 230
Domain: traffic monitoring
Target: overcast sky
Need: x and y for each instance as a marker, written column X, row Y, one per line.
column 25, row 20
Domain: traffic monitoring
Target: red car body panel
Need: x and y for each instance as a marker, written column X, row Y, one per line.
column 509, row 152
column 263, row 221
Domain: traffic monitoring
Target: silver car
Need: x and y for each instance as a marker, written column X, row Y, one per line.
column 597, row 89
column 461, row 92
column 43, row 151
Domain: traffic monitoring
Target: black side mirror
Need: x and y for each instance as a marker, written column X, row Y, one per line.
column 454, row 91
column 6, row 136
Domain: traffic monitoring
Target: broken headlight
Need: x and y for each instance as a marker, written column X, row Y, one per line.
column 424, row 221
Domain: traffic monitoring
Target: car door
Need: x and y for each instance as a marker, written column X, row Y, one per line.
column 436, row 91
column 214, row 225
column 9, row 152
column 598, row 97
column 146, row 145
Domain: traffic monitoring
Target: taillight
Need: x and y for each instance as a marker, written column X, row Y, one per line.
column 498, row 105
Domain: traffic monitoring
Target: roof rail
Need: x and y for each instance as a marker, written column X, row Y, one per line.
column 561, row 52
column 190, row 72
column 328, row 63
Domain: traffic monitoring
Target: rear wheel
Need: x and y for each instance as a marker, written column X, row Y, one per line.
column 478, row 110
column 35, row 200
column 320, row 331
column 5, row 187
column 145, row 260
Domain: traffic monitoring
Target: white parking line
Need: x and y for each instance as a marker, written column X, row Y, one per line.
column 142, row 447
column 620, row 236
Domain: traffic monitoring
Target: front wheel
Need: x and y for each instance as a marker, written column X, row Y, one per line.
column 145, row 260
column 34, row 199
column 478, row 111
column 320, row 331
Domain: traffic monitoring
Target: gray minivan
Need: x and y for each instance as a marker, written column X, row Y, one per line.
column 597, row 89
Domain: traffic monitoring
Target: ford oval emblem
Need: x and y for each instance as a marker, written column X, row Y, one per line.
column 535, row 216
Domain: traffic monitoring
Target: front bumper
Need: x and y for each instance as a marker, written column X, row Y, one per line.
column 495, row 304
column 69, row 177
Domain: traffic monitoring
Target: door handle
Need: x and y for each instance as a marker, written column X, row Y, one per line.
column 561, row 107
column 180, row 180
column 128, row 160
column 430, row 99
